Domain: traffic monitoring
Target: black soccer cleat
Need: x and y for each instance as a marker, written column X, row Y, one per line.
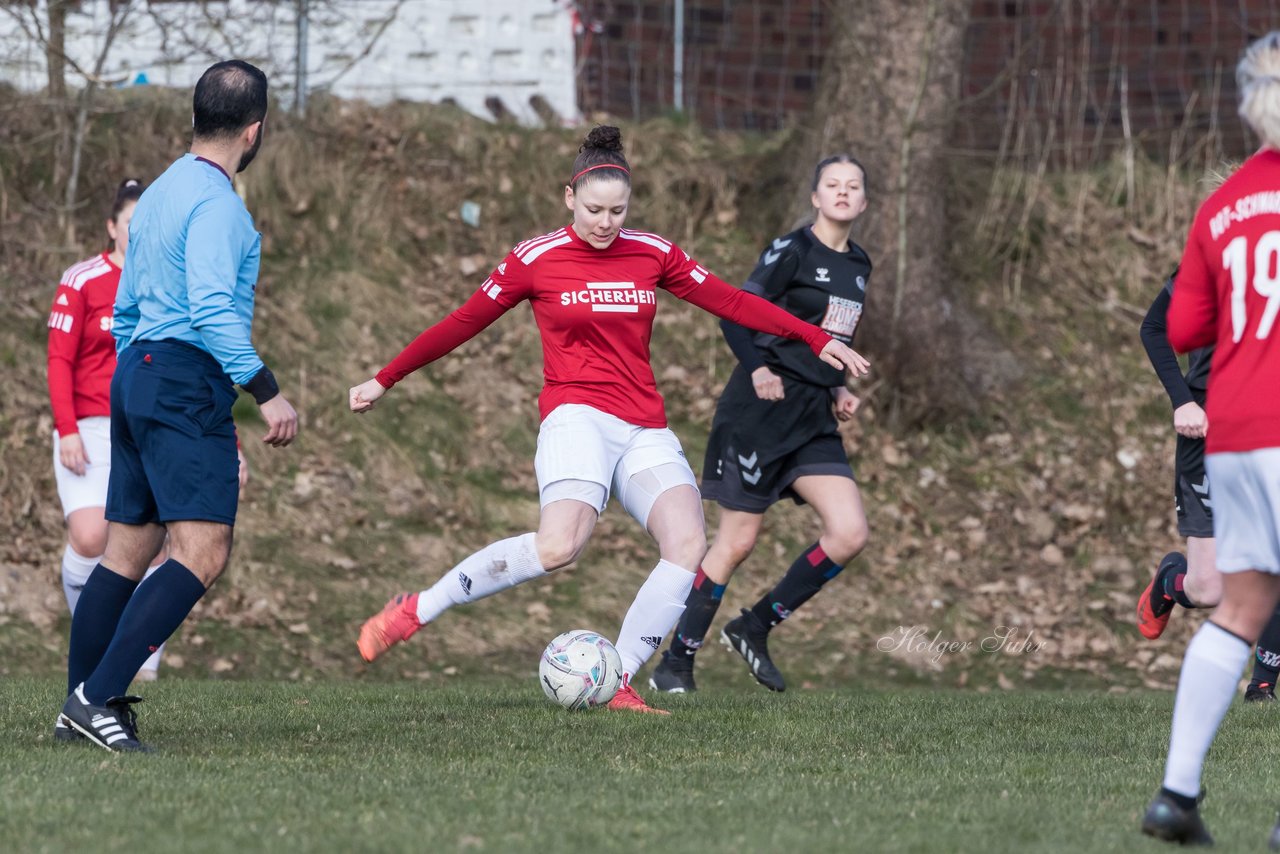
column 673, row 675
column 113, row 725
column 1167, row 821
column 745, row 636
column 63, row 733
column 1260, row 692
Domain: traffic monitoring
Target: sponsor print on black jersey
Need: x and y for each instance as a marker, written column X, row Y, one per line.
column 841, row 320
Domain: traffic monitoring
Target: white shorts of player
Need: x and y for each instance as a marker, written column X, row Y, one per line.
column 1246, row 509
column 90, row 490
column 584, row 454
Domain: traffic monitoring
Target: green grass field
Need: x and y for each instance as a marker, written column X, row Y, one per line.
column 481, row 765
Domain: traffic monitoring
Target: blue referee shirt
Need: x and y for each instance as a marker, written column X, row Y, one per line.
column 192, row 268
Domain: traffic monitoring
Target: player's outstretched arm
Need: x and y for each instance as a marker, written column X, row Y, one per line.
column 365, row 395
column 695, row 285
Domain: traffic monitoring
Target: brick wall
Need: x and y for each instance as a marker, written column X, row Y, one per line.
column 1066, row 72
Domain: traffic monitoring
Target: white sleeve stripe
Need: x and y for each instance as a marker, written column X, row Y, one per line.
column 76, row 268
column 86, row 275
column 647, row 238
column 536, row 253
column 529, row 244
column 633, row 233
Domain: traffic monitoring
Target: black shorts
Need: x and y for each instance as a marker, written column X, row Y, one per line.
column 173, row 442
column 1191, row 489
column 758, row 448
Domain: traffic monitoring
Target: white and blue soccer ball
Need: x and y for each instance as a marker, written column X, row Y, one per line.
column 580, row 670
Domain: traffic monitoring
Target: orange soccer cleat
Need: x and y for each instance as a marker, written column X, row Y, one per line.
column 396, row 622
column 1155, row 607
column 627, row 700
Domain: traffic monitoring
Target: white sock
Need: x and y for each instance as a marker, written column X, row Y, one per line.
column 1210, row 671
column 153, row 661
column 494, row 568
column 76, row 569
column 657, row 607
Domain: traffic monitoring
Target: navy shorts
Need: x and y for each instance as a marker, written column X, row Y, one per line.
column 173, row 442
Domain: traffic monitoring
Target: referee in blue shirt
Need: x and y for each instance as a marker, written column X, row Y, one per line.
column 183, row 323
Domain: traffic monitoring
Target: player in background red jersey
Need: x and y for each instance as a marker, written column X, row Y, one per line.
column 592, row 286
column 1227, row 295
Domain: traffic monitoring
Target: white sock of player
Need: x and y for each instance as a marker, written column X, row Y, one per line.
column 76, row 569
column 1206, row 687
column 657, row 607
column 153, row 661
column 493, row 569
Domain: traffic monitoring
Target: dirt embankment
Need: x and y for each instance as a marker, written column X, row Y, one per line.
column 1045, row 515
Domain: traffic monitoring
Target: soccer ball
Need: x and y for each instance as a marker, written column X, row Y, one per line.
column 580, row 670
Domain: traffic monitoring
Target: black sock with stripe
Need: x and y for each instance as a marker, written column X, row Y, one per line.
column 807, row 575
column 1266, row 658
column 699, row 610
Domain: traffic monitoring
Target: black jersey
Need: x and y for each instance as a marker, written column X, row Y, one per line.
column 1181, row 388
column 817, row 284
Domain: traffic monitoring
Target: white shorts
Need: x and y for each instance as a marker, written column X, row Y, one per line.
column 1246, row 509
column 90, row 490
column 581, row 443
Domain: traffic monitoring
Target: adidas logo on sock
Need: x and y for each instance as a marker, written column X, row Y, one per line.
column 651, row 641
column 465, row 581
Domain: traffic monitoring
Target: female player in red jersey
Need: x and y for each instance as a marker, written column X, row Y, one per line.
column 775, row 434
column 593, row 287
column 81, row 360
column 1228, row 296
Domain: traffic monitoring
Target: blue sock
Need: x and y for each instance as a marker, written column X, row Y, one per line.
column 102, row 600
column 154, row 612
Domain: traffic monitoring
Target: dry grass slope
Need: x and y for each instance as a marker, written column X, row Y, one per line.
column 1044, row 514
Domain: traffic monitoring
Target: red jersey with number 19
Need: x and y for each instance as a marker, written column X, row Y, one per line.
column 1228, row 294
column 82, row 353
column 595, row 310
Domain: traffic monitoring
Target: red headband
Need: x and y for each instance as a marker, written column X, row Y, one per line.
column 598, row 166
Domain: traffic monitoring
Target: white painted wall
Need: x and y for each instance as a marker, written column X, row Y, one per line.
column 378, row 50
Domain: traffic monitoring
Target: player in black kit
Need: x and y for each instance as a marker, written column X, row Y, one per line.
column 774, row 434
column 1192, row 580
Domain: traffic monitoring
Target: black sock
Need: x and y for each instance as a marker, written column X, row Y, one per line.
column 699, row 610
column 1172, row 575
column 1266, row 660
column 102, row 601
column 811, row 570
column 1184, row 801
column 154, row 612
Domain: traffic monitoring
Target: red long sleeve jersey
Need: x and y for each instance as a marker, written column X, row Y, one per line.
column 595, row 310
column 82, row 353
column 1228, row 293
